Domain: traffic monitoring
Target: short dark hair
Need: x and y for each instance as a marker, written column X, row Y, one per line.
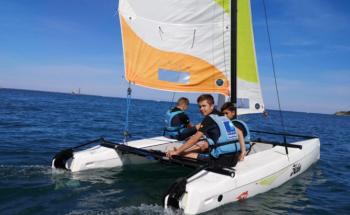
column 207, row 97
column 228, row 105
column 182, row 100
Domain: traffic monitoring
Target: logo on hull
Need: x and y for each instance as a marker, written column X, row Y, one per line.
column 296, row 169
column 242, row 196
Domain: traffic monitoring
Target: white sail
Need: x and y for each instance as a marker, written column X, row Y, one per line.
column 184, row 46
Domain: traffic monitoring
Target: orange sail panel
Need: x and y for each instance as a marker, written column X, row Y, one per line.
column 144, row 64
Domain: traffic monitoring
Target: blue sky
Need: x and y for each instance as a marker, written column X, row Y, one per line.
column 63, row 45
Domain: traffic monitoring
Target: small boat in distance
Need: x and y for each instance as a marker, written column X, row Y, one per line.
column 76, row 92
column 198, row 46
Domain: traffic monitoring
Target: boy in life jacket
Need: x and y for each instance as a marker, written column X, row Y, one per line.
column 178, row 125
column 229, row 111
column 218, row 131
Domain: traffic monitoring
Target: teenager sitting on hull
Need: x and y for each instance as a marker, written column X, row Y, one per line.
column 178, row 125
column 220, row 135
column 228, row 110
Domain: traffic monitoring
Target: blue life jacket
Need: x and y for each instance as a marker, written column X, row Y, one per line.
column 169, row 129
column 228, row 140
column 246, row 132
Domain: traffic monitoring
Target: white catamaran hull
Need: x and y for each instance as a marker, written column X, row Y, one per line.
column 265, row 168
column 258, row 173
column 104, row 157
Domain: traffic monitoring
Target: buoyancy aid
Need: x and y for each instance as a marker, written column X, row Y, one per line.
column 246, row 132
column 169, row 129
column 228, row 140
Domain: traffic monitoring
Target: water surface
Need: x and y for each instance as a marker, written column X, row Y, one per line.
column 36, row 125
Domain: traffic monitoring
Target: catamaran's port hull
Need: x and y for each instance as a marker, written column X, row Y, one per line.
column 106, row 157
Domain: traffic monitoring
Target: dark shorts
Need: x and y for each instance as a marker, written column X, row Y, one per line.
column 226, row 160
column 204, row 156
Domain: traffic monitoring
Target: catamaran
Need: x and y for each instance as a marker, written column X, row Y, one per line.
column 197, row 46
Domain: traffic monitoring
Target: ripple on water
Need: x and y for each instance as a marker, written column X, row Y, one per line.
column 143, row 209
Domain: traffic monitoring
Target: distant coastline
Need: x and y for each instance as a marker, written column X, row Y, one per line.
column 342, row 113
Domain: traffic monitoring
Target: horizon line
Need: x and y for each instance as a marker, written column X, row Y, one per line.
column 82, row 94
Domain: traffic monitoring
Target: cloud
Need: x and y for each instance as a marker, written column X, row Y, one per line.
column 324, row 95
column 339, row 47
column 91, row 79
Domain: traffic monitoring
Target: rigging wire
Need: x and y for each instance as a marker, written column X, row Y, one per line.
column 273, row 66
column 274, row 75
column 172, row 104
column 128, row 104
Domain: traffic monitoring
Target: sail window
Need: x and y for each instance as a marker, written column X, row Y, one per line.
column 243, row 103
column 181, row 77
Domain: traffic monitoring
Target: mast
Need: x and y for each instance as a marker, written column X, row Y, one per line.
column 234, row 54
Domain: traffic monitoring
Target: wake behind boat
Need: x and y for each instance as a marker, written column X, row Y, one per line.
column 197, row 46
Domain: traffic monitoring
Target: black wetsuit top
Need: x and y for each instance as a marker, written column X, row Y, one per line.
column 182, row 119
column 179, row 119
column 209, row 127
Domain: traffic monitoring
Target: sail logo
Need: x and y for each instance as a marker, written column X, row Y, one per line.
column 296, row 169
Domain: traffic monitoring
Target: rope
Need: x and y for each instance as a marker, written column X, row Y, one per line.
column 128, row 103
column 172, row 101
column 274, row 75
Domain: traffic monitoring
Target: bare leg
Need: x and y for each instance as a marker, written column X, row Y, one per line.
column 193, row 152
column 201, row 146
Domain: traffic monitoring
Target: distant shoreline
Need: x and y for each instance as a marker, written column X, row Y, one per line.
column 137, row 98
column 342, row 113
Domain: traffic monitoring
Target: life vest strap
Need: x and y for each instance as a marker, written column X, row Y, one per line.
column 216, row 145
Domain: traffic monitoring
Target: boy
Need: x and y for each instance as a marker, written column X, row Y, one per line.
column 213, row 128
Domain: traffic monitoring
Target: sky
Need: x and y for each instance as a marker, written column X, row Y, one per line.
column 64, row 45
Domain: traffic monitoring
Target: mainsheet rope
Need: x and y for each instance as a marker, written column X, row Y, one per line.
column 172, row 101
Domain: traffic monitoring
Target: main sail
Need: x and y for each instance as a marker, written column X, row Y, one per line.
column 184, row 46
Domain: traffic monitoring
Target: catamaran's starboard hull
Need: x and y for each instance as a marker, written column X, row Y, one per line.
column 258, row 173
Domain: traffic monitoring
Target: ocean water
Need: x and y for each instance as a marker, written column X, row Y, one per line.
column 36, row 125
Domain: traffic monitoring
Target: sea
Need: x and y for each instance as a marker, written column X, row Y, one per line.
column 35, row 125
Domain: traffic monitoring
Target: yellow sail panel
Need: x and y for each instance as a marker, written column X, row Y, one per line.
column 226, row 4
column 144, row 62
column 249, row 96
column 246, row 59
